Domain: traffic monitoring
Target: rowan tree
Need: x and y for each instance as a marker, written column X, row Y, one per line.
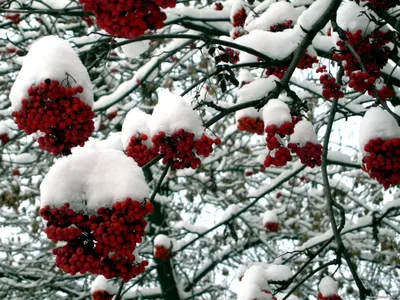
column 182, row 149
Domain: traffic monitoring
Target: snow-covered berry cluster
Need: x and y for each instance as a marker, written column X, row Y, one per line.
column 182, row 148
column 373, row 50
column 279, row 123
column 254, row 284
column 56, row 111
column 174, row 130
column 281, row 26
column 219, row 6
column 308, row 59
column 328, row 289
column 128, row 19
column 229, row 56
column 382, row 4
column 239, row 14
column 103, row 289
column 101, row 243
column 162, row 247
column 271, row 221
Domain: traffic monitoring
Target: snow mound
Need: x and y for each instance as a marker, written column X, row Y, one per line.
column 172, row 113
column 270, row 216
column 377, row 123
column 303, row 133
column 276, row 112
column 328, row 287
column 278, row 273
column 50, row 57
column 103, row 284
column 90, row 178
column 135, row 123
column 163, row 240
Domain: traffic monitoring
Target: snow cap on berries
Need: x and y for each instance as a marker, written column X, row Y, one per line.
column 328, row 286
column 276, row 13
column 134, row 49
column 254, row 285
column 251, row 291
column 4, row 129
column 276, row 112
column 278, row 272
column 270, row 216
column 50, row 57
column 103, row 284
column 163, row 240
column 304, row 132
column 90, row 178
column 172, row 113
column 377, row 123
column 135, row 123
column 280, row 296
column 245, row 77
column 256, row 274
column 352, row 17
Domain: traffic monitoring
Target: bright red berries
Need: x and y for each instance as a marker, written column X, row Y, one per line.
column 330, row 89
column 333, row 297
column 182, row 148
column 102, row 295
column 252, row 125
column 239, row 18
column 101, row 243
column 219, row 6
column 310, row 154
column 161, row 252
column 381, row 161
column 382, row 4
column 141, row 153
column 281, row 26
column 128, row 19
column 4, row 138
column 279, row 155
column 54, row 110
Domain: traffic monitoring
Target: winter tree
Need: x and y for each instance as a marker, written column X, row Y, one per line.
column 196, row 149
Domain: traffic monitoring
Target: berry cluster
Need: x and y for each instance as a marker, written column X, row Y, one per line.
column 229, row 56
column 161, row 252
column 239, row 18
column 139, row 151
column 281, row 26
column 128, row 19
column 310, row 154
column 382, row 4
column 373, row 51
column 276, row 71
column 333, row 297
column 102, row 295
column 15, row 18
column 219, row 6
column 252, row 125
column 271, row 226
column 101, row 243
column 330, row 89
column 384, row 93
column 182, row 149
column 4, row 138
column 53, row 109
column 381, row 161
column 307, row 61
column 282, row 154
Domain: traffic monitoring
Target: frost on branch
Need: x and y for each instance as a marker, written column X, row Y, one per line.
column 94, row 201
column 52, row 94
column 328, row 289
column 178, row 133
column 380, row 146
column 128, row 19
column 103, row 289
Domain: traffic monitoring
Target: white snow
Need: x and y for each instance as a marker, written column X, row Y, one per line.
column 377, row 123
column 134, row 49
column 103, row 284
column 276, row 112
column 135, row 123
column 278, row 273
column 313, row 13
column 275, row 45
column 278, row 12
column 351, row 17
column 328, row 286
column 55, row 4
column 251, row 291
column 270, row 216
column 257, row 89
column 163, row 240
column 244, row 77
column 89, row 179
column 229, row 212
column 148, row 72
column 172, row 113
column 304, row 132
column 113, row 141
column 253, row 284
column 50, row 57
column 280, row 296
